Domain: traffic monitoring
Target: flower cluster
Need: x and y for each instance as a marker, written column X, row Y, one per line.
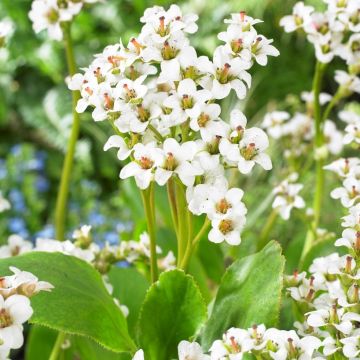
column 296, row 132
column 261, row 342
column 15, row 307
column 334, row 32
column 83, row 247
column 162, row 101
column 50, row 14
column 329, row 297
column 286, row 196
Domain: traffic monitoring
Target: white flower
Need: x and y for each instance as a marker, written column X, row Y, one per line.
column 229, row 73
column 349, row 82
column 352, row 134
column 24, row 283
column 207, row 122
column 118, row 142
column 14, row 311
column 349, row 193
column 300, row 15
column 307, row 288
column 308, row 97
column 261, row 48
column 227, row 228
column 168, row 262
column 146, row 159
column 351, row 348
column 350, row 52
column 187, row 66
column 16, row 246
column 287, row 198
column 136, row 117
column 6, row 29
column 342, row 321
column 289, row 346
column 83, row 232
column 333, row 137
column 187, row 101
column 350, row 117
column 4, row 204
column 274, row 123
column 350, row 238
column 67, row 248
column 191, row 351
column 353, row 219
column 330, row 346
column 249, row 151
column 177, row 159
column 46, row 14
column 221, row 202
column 344, row 167
column 238, row 42
column 235, row 343
column 211, row 171
column 139, row 355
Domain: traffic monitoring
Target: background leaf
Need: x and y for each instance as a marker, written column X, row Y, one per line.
column 249, row 293
column 173, row 310
column 42, row 339
column 79, row 303
column 130, row 288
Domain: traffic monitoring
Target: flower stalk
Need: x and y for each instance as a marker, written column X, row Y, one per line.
column 63, row 194
column 149, row 207
column 319, row 142
column 56, row 351
column 192, row 244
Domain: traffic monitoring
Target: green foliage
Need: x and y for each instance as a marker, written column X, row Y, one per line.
column 173, row 310
column 41, row 341
column 79, row 303
column 130, row 288
column 249, row 293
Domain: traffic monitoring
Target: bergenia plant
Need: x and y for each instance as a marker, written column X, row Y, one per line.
column 183, row 143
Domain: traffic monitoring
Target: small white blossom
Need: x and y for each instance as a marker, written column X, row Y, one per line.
column 349, row 193
column 16, row 246
column 191, row 351
column 4, row 204
column 287, row 198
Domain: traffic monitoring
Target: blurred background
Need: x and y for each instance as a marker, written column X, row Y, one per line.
column 35, row 121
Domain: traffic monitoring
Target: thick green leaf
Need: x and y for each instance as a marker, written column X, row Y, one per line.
column 79, row 303
column 249, row 293
column 86, row 349
column 173, row 310
column 41, row 341
column 130, row 288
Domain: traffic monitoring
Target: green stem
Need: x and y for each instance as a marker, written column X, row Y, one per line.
column 181, row 209
column 56, row 351
column 192, row 245
column 264, row 235
column 319, row 142
column 334, row 101
column 156, row 133
column 172, row 203
column 149, row 207
column 62, row 198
